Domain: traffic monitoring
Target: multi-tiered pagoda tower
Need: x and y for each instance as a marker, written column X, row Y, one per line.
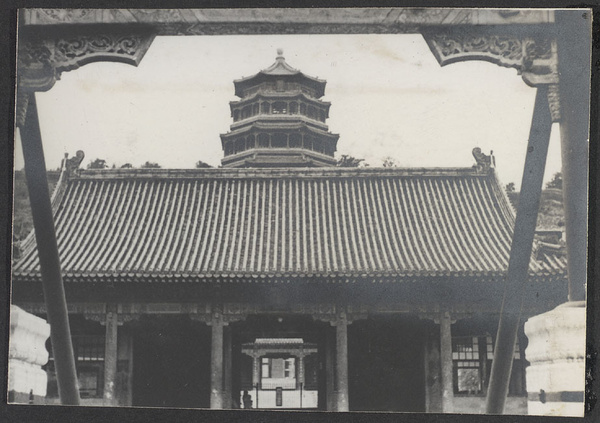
column 279, row 121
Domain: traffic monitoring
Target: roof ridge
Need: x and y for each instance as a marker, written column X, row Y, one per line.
column 276, row 172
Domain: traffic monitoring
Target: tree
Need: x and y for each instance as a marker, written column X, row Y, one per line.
column 556, row 182
column 348, row 161
column 202, row 165
column 97, row 164
column 510, row 187
column 389, row 162
column 150, row 165
column 127, row 166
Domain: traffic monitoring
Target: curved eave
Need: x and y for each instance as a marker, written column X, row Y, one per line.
column 245, row 83
column 285, row 126
column 268, row 278
column 286, row 95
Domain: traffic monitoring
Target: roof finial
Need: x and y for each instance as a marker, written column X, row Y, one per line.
column 280, row 53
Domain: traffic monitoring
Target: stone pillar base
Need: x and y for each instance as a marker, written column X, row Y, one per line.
column 556, row 351
column 26, row 356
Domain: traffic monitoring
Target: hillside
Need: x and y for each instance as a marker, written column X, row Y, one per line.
column 22, row 220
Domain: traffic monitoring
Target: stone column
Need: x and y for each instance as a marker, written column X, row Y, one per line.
column 216, row 361
column 446, row 362
column 341, row 343
column 110, row 354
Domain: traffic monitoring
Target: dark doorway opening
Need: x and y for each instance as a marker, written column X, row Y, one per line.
column 385, row 361
column 171, row 363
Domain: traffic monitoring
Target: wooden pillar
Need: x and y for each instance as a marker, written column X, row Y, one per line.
column 255, row 370
column 520, row 252
column 43, row 223
column 446, row 362
column 330, row 371
column 227, row 382
column 301, row 368
column 574, row 69
column 216, row 362
column 433, row 372
column 341, row 338
column 110, row 354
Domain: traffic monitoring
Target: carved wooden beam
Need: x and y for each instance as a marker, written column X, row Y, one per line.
column 42, row 56
column 333, row 313
column 533, row 54
column 286, row 21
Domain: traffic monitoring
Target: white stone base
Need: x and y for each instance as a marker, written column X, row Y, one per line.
column 556, row 351
column 27, row 353
column 26, row 378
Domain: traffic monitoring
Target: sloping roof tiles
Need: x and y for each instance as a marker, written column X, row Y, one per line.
column 195, row 225
column 279, row 68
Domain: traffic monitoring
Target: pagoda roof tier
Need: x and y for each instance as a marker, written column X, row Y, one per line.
column 279, row 69
column 275, row 95
column 282, row 121
column 281, row 125
column 278, row 157
column 325, row 225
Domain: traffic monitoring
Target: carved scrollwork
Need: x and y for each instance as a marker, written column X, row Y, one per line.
column 41, row 60
column 66, row 15
column 71, row 53
column 533, row 57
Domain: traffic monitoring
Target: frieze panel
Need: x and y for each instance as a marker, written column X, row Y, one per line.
column 398, row 18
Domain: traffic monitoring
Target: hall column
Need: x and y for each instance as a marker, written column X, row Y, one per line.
column 445, row 322
column 216, row 359
column 341, row 347
column 110, row 354
column 227, row 382
column 330, row 369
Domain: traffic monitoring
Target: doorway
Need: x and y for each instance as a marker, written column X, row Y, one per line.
column 171, row 363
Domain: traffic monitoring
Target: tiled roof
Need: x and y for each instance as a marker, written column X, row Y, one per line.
column 270, row 224
column 280, row 68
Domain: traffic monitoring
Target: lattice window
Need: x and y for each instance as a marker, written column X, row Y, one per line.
column 467, row 365
column 472, row 358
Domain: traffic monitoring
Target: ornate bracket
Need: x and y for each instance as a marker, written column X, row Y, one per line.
column 42, row 58
column 436, row 316
column 223, row 314
column 534, row 56
column 335, row 313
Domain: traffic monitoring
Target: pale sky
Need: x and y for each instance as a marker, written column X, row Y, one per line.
column 389, row 96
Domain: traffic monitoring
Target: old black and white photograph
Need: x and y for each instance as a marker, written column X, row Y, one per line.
column 322, row 210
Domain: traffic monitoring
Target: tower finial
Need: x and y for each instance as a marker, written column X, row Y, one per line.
column 280, row 53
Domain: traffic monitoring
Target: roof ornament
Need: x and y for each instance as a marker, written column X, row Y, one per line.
column 73, row 163
column 280, row 54
column 484, row 162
